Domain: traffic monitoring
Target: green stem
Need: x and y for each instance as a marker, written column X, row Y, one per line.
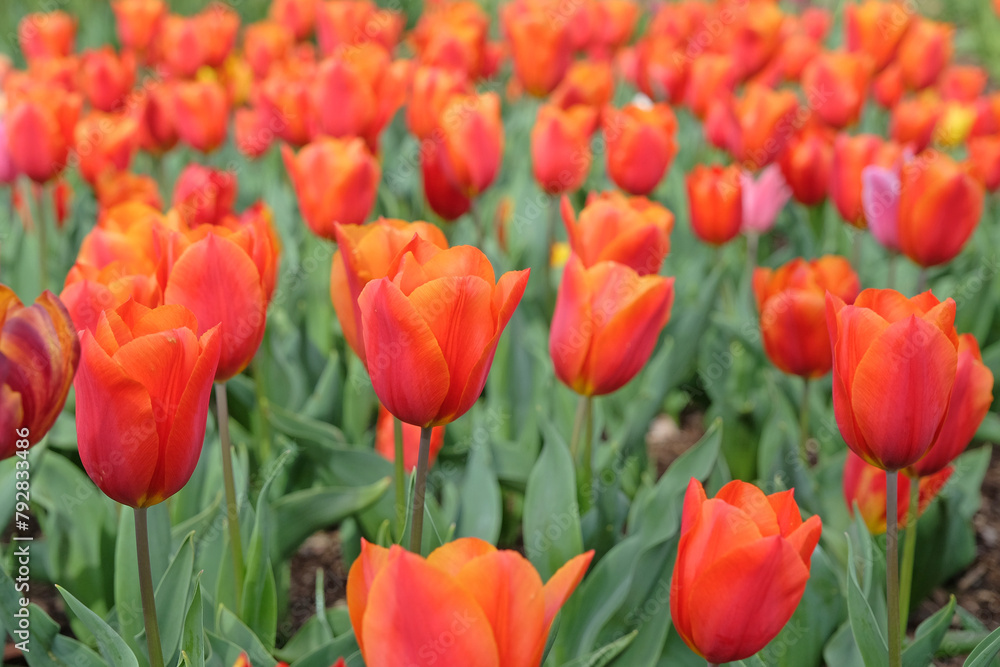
column 804, row 421
column 909, row 551
column 581, row 414
column 43, row 245
column 420, row 488
column 400, row 474
column 263, row 404
column 232, row 511
column 477, row 222
column 892, row 567
column 587, row 465
column 146, row 588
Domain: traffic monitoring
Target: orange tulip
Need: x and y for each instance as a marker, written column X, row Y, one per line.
column 586, row 82
column 46, row 35
column 385, row 440
column 138, row 22
column 913, row 121
column 335, row 180
column 641, row 145
column 541, row 46
column 962, row 83
column 202, row 109
column 743, row 561
column 430, row 91
column 838, row 81
column 344, row 25
column 217, row 24
column 105, row 142
column 715, row 196
column 253, row 133
column 40, row 129
column 476, row 605
column 443, row 195
column 940, row 204
column 106, row 78
column 612, row 227
column 181, row 46
column 984, row 160
column 265, row 43
column 285, row 104
column 970, row 400
column 472, row 141
column 894, row 362
column 224, row 273
column 850, row 156
column 807, row 163
column 560, row 147
column 422, row 370
column 887, row 88
column 157, row 116
column 204, row 196
column 366, row 253
column 766, row 120
column 158, row 373
column 606, row 323
column 453, row 35
column 755, row 37
column 792, row 305
column 662, row 69
column 864, row 486
column 39, row 353
column 876, row 28
column 924, row 52
column 297, row 15
column 113, row 188
column 712, row 77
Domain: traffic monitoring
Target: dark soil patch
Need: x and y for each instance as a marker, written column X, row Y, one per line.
column 666, row 439
column 320, row 551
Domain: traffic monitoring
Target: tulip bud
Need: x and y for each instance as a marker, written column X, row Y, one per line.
column 39, row 353
column 887, row 89
column 924, row 52
column 472, row 141
column 913, row 121
column 343, row 25
column 113, row 188
column 106, row 78
column 842, row 78
column 763, row 199
column 641, row 145
column 807, row 163
column 265, row 43
column 202, row 110
column 40, row 130
column 138, row 22
column 541, row 46
column 586, row 82
column 157, row 116
column 46, row 35
column 715, row 197
column 560, row 147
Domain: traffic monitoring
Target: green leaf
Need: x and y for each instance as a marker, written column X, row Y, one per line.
column 983, row 654
column 300, row 514
column 928, row 637
column 864, row 625
column 606, row 654
column 193, row 638
column 842, row 650
column 172, row 596
column 234, row 630
column 326, row 655
column 112, row 647
column 481, row 510
column 299, row 427
column 552, row 533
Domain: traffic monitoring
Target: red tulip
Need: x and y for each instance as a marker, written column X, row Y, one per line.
column 876, row 29
column 203, row 195
column 984, row 160
column 202, row 110
column 39, row 353
column 298, row 15
column 335, row 181
column 924, row 52
column 743, row 561
column 489, row 604
column 641, row 145
column 913, row 121
column 540, row 45
column 612, row 227
column 864, row 486
column 807, row 163
column 366, row 253
column 712, row 77
column 839, row 81
column 421, row 369
column 453, row 35
column 430, row 91
column 940, row 204
column 285, row 103
column 217, row 25
column 560, row 147
column 138, row 22
column 586, row 82
column 472, row 141
column 348, row 24
column 40, row 127
column 792, row 305
column 253, row 131
column 715, row 197
column 157, row 373
column 105, row 143
column 113, row 188
column 106, row 78
column 445, row 197
column 887, row 88
column 46, row 35
column 971, row 398
column 265, row 43
column 157, row 116
column 850, row 156
column 606, row 323
column 181, row 45
column 385, row 440
column 894, row 363
column 963, row 83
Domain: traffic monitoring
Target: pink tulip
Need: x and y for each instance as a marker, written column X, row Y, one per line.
column 880, row 189
column 763, row 198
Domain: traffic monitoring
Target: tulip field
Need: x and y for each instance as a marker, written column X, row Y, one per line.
column 513, row 333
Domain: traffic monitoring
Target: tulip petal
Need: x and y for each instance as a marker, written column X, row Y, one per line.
column 407, row 368
column 571, row 332
column 806, row 536
column 753, row 502
column 508, row 589
column 561, row 585
column 786, row 511
column 742, row 600
column 694, row 498
column 453, row 556
column 362, row 575
column 912, row 365
column 417, row 612
column 793, row 327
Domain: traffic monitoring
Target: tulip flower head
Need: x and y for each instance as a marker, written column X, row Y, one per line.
column 894, row 365
column 137, row 22
column 880, row 189
column 157, row 372
column 560, row 147
column 850, row 156
column 792, row 305
column 763, row 198
column 715, row 197
column 743, row 561
column 807, row 162
column 46, row 35
column 641, row 145
column 423, row 370
column 864, row 487
column 39, row 353
column 401, row 604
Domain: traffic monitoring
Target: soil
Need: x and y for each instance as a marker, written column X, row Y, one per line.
column 321, row 550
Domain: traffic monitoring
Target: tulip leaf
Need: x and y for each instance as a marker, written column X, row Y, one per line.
column 199, row 522
column 552, row 534
column 928, row 637
column 330, row 652
column 112, row 647
column 232, row 629
column 299, row 427
column 301, row 513
column 605, row 655
column 172, row 596
column 752, row 661
column 193, row 638
column 481, row 510
column 864, row 625
column 985, row 652
column 842, row 649
column 128, row 603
